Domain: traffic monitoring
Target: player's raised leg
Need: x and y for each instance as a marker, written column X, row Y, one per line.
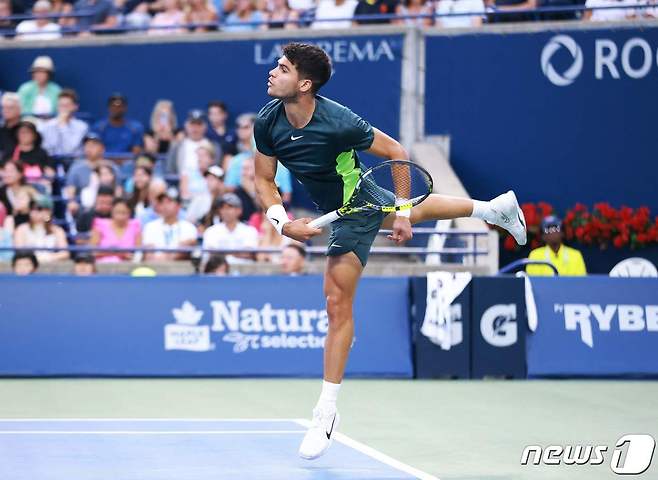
column 340, row 280
column 504, row 211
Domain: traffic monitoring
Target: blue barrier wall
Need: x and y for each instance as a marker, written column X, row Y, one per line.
column 594, row 326
column 431, row 361
column 498, row 326
column 191, row 326
column 489, row 331
column 560, row 116
column 192, row 73
column 275, row 326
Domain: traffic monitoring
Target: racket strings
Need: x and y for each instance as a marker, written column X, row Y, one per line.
column 394, row 183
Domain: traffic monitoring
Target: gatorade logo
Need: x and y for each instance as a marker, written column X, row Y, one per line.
column 498, row 325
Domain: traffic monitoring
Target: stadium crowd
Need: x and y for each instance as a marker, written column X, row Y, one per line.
column 116, row 183
column 52, row 19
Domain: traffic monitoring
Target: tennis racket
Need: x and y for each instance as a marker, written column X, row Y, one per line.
column 390, row 186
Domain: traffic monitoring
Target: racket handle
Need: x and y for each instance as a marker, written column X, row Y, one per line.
column 324, row 219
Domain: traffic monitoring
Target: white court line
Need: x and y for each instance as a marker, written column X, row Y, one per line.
column 376, row 454
column 344, row 439
column 150, row 432
column 246, row 420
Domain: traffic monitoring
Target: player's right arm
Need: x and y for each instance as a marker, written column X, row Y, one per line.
column 271, row 202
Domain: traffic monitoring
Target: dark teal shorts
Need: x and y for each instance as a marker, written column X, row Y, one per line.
column 355, row 233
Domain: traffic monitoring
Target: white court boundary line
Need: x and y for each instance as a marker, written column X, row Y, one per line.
column 376, row 454
column 246, row 420
column 150, row 432
column 344, row 439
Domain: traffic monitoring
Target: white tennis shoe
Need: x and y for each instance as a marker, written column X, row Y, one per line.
column 318, row 438
column 510, row 216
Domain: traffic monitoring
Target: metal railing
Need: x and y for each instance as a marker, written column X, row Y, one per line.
column 490, row 11
column 515, row 265
column 311, row 250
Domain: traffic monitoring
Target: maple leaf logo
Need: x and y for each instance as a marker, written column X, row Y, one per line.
column 187, row 314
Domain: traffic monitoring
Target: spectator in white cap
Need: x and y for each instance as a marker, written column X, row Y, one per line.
column 230, row 232
column 168, row 231
column 42, row 27
column 39, row 95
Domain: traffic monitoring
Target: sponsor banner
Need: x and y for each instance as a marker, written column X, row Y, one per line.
column 431, row 360
column 367, row 74
column 551, row 101
column 194, row 326
column 594, row 326
column 498, row 327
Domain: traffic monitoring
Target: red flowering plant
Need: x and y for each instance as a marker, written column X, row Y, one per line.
column 603, row 226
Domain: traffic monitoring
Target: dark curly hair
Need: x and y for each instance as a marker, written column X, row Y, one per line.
column 311, row 62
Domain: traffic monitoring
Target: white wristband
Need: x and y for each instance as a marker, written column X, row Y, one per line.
column 277, row 216
column 402, row 213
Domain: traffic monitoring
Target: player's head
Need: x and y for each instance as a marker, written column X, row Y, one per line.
column 302, row 70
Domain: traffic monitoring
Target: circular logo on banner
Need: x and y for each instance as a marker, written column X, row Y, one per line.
column 498, row 325
column 570, row 74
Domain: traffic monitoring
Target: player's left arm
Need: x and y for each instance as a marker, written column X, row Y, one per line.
column 387, row 147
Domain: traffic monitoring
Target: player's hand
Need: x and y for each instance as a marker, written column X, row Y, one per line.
column 300, row 230
column 401, row 230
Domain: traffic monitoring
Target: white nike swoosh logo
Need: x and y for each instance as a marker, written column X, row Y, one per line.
column 335, row 245
column 292, row 137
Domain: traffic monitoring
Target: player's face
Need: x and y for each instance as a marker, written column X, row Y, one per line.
column 283, row 81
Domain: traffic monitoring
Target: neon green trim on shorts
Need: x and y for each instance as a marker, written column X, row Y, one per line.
column 349, row 172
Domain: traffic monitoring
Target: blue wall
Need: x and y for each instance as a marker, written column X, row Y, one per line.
column 275, row 326
column 194, row 326
column 594, row 326
column 511, row 127
column 192, row 73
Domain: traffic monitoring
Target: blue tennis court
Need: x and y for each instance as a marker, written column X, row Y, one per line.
column 151, row 449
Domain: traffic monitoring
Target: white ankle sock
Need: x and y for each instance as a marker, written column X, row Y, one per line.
column 483, row 211
column 328, row 395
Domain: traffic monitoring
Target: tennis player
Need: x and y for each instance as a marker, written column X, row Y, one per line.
column 317, row 139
